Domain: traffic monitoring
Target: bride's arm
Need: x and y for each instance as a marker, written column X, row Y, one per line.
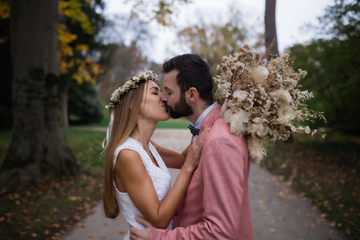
column 132, row 177
column 171, row 158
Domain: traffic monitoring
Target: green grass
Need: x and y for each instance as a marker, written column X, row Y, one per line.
column 326, row 172
column 86, row 146
column 180, row 123
column 104, row 123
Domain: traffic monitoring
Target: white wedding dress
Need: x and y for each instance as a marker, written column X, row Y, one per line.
column 160, row 177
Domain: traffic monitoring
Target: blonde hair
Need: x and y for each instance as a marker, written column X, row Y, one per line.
column 124, row 122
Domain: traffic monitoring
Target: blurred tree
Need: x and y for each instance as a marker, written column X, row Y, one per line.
column 157, row 68
column 80, row 24
column 333, row 66
column 213, row 41
column 6, row 115
column 160, row 10
column 270, row 27
column 38, row 148
column 84, row 104
column 123, row 62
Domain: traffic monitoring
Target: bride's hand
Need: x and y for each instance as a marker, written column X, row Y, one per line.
column 193, row 155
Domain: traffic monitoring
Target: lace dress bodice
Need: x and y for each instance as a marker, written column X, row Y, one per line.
column 160, row 177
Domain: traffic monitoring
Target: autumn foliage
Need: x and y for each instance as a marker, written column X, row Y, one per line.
column 84, row 68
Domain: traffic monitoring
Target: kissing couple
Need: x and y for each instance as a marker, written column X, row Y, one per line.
column 210, row 198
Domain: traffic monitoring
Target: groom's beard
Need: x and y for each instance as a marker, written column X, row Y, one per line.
column 181, row 109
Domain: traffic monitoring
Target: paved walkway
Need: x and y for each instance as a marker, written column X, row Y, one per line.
column 277, row 211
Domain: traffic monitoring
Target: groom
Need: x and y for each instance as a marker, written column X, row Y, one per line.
column 216, row 203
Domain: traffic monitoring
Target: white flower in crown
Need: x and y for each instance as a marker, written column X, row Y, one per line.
column 129, row 84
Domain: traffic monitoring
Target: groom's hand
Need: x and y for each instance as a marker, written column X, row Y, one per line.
column 136, row 234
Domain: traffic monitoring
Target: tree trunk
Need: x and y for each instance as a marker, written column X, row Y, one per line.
column 64, row 87
column 38, row 148
column 270, row 27
column 64, row 104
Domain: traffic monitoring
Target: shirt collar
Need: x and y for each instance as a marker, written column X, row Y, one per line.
column 204, row 114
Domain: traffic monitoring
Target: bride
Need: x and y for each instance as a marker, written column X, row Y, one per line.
column 137, row 181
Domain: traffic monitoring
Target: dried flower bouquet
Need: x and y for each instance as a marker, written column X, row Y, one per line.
column 262, row 100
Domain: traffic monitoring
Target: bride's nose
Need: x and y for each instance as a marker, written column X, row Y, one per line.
column 163, row 97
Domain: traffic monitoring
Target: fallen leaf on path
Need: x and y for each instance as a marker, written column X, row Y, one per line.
column 281, row 196
column 81, row 225
column 273, row 230
column 324, row 215
column 122, row 231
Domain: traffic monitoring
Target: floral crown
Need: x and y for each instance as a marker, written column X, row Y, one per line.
column 132, row 83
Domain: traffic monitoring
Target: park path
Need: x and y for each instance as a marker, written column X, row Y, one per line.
column 277, row 211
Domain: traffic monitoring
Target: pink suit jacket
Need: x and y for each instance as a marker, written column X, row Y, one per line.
column 216, row 203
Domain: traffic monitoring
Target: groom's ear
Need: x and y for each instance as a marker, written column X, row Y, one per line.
column 192, row 95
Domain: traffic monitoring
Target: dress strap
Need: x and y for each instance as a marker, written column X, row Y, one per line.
column 134, row 145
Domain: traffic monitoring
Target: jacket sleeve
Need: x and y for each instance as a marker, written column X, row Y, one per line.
column 224, row 166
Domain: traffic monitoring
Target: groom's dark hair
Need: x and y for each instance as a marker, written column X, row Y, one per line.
column 193, row 72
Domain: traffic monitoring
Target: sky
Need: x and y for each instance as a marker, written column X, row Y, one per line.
column 291, row 17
